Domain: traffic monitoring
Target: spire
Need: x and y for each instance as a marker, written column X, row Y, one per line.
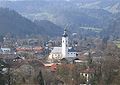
column 65, row 33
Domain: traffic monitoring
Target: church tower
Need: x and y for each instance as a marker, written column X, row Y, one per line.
column 65, row 44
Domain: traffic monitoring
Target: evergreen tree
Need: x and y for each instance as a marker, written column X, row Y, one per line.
column 40, row 78
column 2, row 74
column 1, row 38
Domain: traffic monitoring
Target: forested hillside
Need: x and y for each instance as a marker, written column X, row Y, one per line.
column 76, row 13
column 14, row 23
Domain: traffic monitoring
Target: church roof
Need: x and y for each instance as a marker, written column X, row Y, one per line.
column 59, row 49
column 56, row 50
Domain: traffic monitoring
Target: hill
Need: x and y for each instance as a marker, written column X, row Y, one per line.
column 77, row 13
column 14, row 23
column 50, row 28
column 114, row 29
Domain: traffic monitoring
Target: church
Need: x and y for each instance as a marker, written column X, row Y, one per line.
column 65, row 51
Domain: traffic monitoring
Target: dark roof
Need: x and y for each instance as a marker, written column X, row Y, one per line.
column 69, row 59
column 17, row 57
column 71, row 50
column 65, row 33
column 76, row 59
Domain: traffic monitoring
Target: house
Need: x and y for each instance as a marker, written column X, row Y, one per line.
column 87, row 74
column 5, row 50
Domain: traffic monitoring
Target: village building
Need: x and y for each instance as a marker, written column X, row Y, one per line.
column 64, row 51
column 5, row 50
column 87, row 75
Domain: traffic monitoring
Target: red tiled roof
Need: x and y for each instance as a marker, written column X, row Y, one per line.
column 53, row 68
column 29, row 49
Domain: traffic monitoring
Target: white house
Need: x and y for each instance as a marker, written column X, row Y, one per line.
column 62, row 52
column 5, row 50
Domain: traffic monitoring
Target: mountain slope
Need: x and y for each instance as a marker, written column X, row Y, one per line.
column 61, row 12
column 114, row 29
column 75, row 13
column 49, row 27
column 14, row 23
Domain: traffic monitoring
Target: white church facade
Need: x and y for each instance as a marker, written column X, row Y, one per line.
column 62, row 52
